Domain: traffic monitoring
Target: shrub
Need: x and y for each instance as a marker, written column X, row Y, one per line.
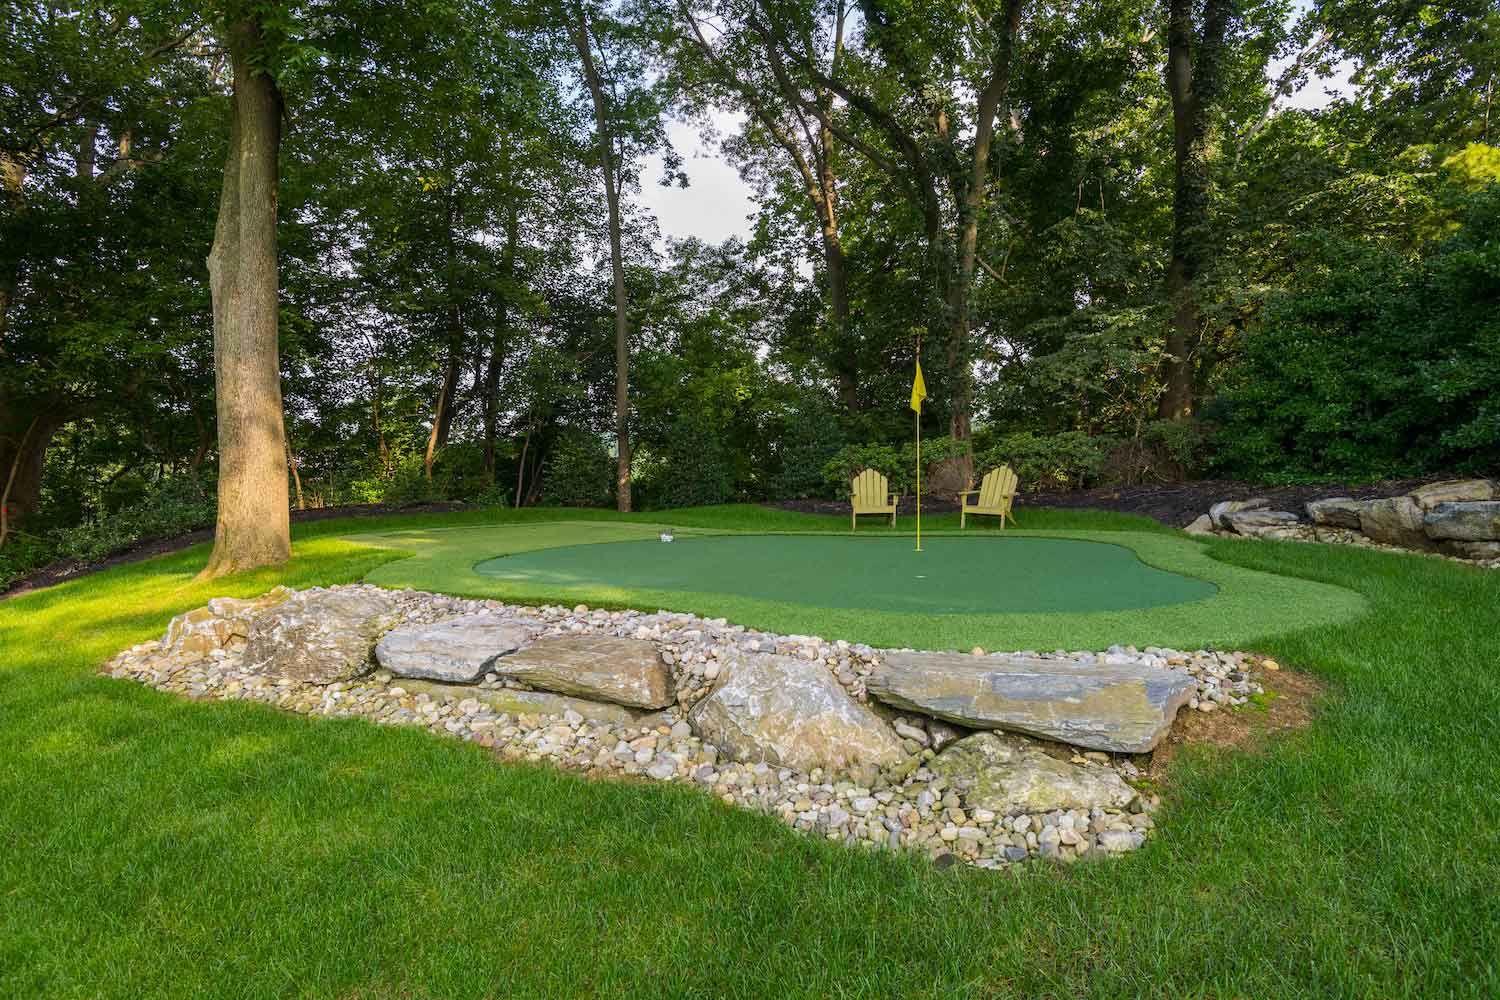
column 1047, row 462
column 22, row 554
column 691, row 470
column 579, row 472
column 854, row 458
column 171, row 507
column 810, row 439
column 1166, row 451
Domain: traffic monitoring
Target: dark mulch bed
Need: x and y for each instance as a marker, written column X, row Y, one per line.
column 68, row 569
column 1174, row 504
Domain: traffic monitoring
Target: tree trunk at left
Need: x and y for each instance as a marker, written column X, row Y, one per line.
column 253, row 522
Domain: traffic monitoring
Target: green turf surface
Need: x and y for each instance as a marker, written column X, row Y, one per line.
column 1242, row 606
column 160, row 847
column 949, row 576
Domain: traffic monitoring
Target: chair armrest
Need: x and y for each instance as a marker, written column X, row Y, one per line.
column 896, row 497
column 967, row 493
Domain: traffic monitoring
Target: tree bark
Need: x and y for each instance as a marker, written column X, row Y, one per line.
column 610, row 169
column 1192, row 77
column 253, row 527
column 497, row 341
column 443, row 406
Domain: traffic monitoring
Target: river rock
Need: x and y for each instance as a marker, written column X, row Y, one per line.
column 606, row 668
column 1396, row 521
column 320, row 636
column 1477, row 521
column 1336, row 512
column 1006, row 774
column 1453, row 491
column 1122, row 708
column 459, row 650
column 513, row 702
column 224, row 622
column 792, row 713
column 1217, row 511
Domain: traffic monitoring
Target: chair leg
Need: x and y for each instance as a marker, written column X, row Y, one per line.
column 963, row 518
column 853, row 520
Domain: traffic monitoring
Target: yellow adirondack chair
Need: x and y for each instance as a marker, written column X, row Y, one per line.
column 869, row 493
column 995, row 495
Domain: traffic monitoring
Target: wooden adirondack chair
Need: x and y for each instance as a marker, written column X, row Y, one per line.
column 869, row 493
column 995, row 495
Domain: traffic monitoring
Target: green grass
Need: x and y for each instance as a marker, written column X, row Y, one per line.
column 159, row 847
column 444, row 559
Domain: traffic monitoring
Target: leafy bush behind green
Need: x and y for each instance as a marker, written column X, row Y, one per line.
column 579, row 472
column 1048, row 461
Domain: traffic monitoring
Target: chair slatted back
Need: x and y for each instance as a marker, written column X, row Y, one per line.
column 870, row 489
column 998, row 488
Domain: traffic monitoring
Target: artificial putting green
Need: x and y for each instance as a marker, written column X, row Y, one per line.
column 1237, row 607
column 1017, row 575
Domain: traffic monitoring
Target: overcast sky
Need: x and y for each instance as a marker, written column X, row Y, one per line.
column 716, row 204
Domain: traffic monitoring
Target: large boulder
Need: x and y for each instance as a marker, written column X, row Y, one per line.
column 458, row 650
column 512, row 702
column 624, row 671
column 1262, row 523
column 1122, row 708
column 1336, row 512
column 1453, row 491
column 1217, row 511
column 320, row 636
column 793, row 713
column 224, row 623
column 1006, row 774
column 1202, row 525
column 1396, row 521
column 1471, row 550
column 1477, row 521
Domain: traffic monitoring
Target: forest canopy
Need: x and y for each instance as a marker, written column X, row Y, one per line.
column 1134, row 240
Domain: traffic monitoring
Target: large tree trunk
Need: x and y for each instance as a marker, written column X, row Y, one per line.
column 497, row 342
column 609, row 169
column 1192, row 79
column 23, row 457
column 443, row 406
column 993, row 102
column 253, row 526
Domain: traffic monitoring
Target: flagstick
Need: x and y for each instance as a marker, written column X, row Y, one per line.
column 919, row 448
column 919, row 480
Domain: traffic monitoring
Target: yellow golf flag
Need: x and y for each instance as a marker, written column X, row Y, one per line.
column 918, row 390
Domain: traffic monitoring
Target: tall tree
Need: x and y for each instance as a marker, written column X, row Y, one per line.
column 1194, row 79
column 910, row 96
column 253, row 519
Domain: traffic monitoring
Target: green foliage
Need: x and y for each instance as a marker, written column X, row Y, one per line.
column 809, row 439
column 169, row 508
column 691, row 469
column 578, row 472
column 1048, row 461
column 852, row 459
column 1374, row 365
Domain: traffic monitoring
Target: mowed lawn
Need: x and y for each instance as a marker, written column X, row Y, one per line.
column 158, row 847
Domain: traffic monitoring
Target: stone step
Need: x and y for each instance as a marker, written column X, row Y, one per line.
column 1118, row 708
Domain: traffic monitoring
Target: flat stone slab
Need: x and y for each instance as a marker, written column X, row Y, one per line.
column 1259, row 523
column 319, row 636
column 1004, row 774
column 793, row 713
column 1336, row 512
column 458, row 650
column 1119, row 708
column 1474, row 521
column 624, row 671
column 1453, row 491
column 509, row 701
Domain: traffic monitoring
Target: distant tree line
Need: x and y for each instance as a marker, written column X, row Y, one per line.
column 255, row 257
